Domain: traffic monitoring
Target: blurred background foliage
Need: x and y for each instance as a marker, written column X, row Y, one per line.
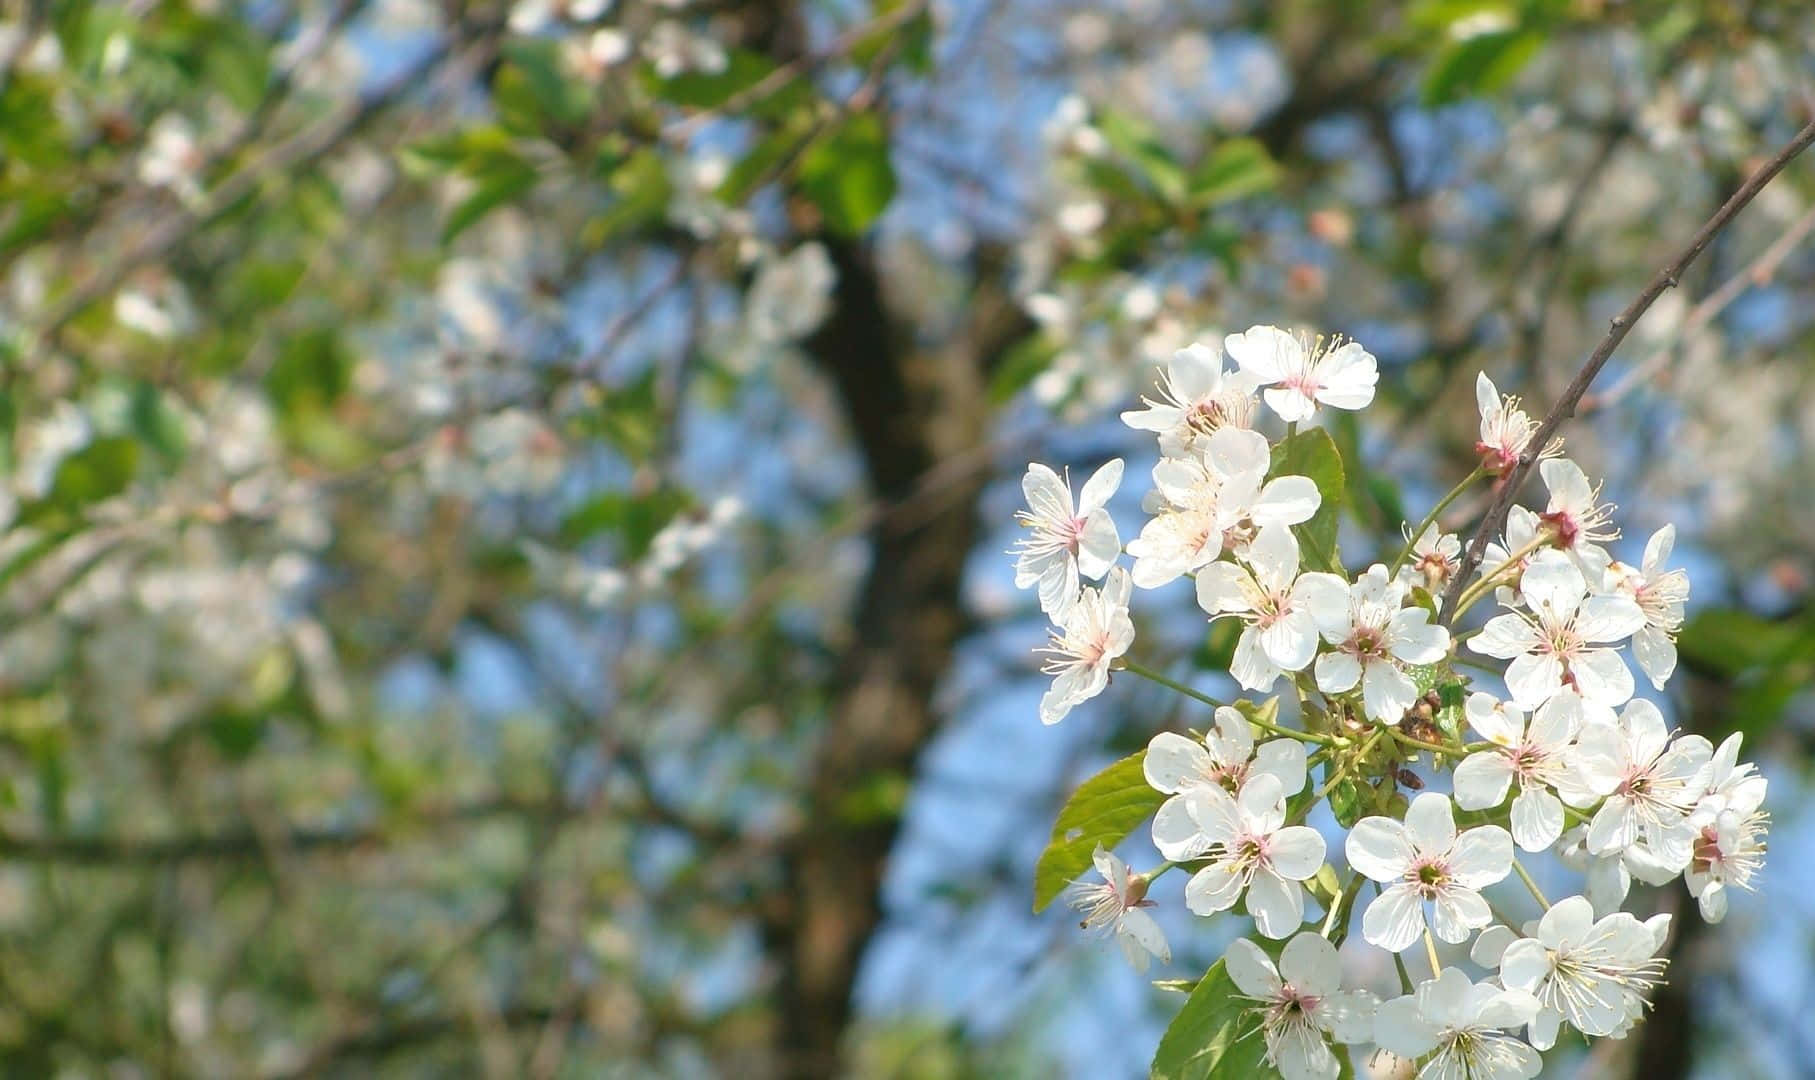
column 500, row 539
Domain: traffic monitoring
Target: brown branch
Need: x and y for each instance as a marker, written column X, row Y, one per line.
column 1622, row 324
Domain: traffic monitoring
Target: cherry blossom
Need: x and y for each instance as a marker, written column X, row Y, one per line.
column 1574, row 518
column 1660, row 594
column 1302, row 375
column 1092, row 633
column 1436, row 556
column 1584, row 971
column 1533, row 754
column 1227, row 758
column 1197, row 398
column 1280, row 607
column 1114, row 905
column 1464, row 1025
column 1215, row 500
column 1564, row 637
column 1424, row 858
column 1374, row 636
column 1067, row 541
column 1505, row 430
column 1301, row 1004
column 1251, row 849
column 1652, row 783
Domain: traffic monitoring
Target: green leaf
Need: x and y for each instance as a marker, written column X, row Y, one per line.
column 100, row 470
column 708, row 90
column 1020, row 365
column 848, row 174
column 1137, row 143
column 1480, row 64
column 1213, row 1037
column 635, row 518
column 1237, row 167
column 504, row 180
column 1103, row 810
column 1311, row 453
column 1349, row 801
column 533, row 92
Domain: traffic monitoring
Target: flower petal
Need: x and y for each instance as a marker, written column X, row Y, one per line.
column 1378, row 847
column 1482, row 856
column 1430, row 825
column 1251, row 970
column 1394, row 920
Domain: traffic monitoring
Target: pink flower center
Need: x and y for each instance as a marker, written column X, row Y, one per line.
column 1564, row 525
column 1428, row 875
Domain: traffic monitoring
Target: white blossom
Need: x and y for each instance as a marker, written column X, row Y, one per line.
column 1436, row 556
column 1114, row 906
column 1197, row 398
column 1067, row 541
column 1505, row 430
column 1212, row 501
column 1533, row 754
column 1575, row 518
column 1424, row 858
column 1651, row 783
column 1729, row 846
column 1301, row 1004
column 1464, row 1025
column 1092, row 633
column 1302, row 375
column 1660, row 594
column 1589, row 973
column 1563, row 638
column 1227, row 758
column 1374, row 636
column 1280, row 607
column 1251, row 849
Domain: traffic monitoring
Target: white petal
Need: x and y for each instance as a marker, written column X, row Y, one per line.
column 1292, row 405
column 1285, row 760
column 1377, row 846
column 1175, row 832
column 1657, row 549
column 1490, row 946
column 1236, row 451
column 1251, row 970
column 1656, row 655
column 1386, row 692
column 1224, row 587
column 1416, row 641
column 1301, row 1054
column 1458, row 912
column 1215, row 812
column 1533, row 678
column 1265, row 352
column 1481, row 780
column 1231, row 740
column 1400, row 1028
column 1311, row 965
column 1348, row 1015
column 1537, row 819
column 1429, row 824
column 1250, row 665
column 1497, row 721
column 1482, row 856
column 1296, row 851
column 1047, row 495
column 1278, row 906
column 1348, row 374
column 1214, row 888
column 1602, row 677
column 1504, row 637
column 1337, row 672
column 1172, row 761
column 1288, row 500
column 1137, row 927
column 1394, row 920
column 1291, row 642
column 1100, row 487
column 1098, row 546
column 1609, row 618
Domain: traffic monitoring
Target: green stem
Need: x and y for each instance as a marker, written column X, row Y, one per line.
column 1337, row 922
column 1342, row 767
column 1478, row 665
column 1431, row 518
column 1405, row 977
column 1170, row 684
column 1486, row 583
column 1531, row 886
column 1403, row 739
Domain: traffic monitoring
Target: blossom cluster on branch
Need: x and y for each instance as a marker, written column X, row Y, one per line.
column 1567, row 761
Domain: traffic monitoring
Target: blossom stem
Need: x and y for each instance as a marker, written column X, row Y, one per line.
column 1337, row 921
column 1342, row 767
column 1430, row 518
column 1430, row 953
column 1407, row 740
column 1478, row 665
column 1154, row 676
column 1405, row 977
column 1474, row 592
column 1530, row 885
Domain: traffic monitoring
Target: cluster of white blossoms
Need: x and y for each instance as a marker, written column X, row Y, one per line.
column 1564, row 761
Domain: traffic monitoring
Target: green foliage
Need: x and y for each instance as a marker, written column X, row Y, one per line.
column 1767, row 662
column 1021, row 365
column 1235, row 168
column 633, row 519
column 1104, row 810
column 848, row 174
column 1214, row 1037
column 1311, row 453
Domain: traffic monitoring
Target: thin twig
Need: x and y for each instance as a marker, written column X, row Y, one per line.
column 1622, row 324
column 1756, row 275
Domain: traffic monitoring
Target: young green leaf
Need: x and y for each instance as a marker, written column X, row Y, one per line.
column 1213, row 1037
column 1103, row 810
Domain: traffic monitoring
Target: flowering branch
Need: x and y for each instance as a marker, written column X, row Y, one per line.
column 1622, row 324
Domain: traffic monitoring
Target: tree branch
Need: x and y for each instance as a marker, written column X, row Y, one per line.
column 1622, row 324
